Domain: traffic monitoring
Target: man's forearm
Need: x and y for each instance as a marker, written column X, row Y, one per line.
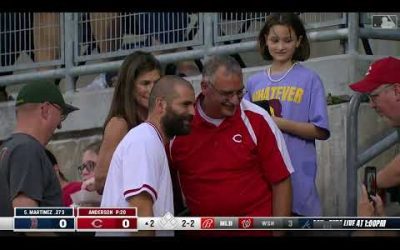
column 144, row 204
column 389, row 176
column 282, row 198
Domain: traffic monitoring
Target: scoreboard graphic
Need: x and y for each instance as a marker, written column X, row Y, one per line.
column 89, row 219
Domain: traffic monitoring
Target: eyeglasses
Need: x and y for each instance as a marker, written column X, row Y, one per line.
column 373, row 97
column 89, row 165
column 63, row 116
column 229, row 94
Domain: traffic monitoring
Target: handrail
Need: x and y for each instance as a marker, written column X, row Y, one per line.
column 198, row 53
column 377, row 148
column 351, row 33
column 351, row 153
column 355, row 160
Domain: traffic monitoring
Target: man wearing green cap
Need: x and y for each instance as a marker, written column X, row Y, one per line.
column 27, row 178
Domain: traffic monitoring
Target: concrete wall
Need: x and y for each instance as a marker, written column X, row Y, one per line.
column 84, row 126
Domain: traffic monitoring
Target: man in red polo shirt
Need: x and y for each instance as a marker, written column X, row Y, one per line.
column 235, row 161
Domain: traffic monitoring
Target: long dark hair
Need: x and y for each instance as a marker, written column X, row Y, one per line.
column 292, row 20
column 123, row 103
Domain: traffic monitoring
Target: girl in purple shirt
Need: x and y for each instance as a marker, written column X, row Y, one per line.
column 297, row 102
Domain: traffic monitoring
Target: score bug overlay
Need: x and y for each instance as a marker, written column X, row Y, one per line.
column 91, row 219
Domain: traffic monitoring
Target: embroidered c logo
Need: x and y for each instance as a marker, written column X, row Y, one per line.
column 237, row 138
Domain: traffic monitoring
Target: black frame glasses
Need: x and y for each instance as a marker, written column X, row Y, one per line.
column 89, row 165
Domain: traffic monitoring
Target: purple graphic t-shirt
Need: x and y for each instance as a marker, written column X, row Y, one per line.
column 300, row 97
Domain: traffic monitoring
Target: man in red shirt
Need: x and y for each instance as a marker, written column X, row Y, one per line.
column 235, row 161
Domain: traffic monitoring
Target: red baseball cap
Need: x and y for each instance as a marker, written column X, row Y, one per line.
column 382, row 71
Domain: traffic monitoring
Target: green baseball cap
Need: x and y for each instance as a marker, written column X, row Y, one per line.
column 42, row 91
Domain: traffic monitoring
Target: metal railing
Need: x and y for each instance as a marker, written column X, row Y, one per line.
column 231, row 26
column 39, row 35
column 113, row 35
column 105, row 38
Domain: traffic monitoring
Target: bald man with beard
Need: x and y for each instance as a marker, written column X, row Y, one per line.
column 139, row 173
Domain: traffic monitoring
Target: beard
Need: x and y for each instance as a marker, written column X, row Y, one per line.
column 176, row 124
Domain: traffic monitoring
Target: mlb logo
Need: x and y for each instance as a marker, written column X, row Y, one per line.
column 246, row 223
column 384, row 21
column 207, row 223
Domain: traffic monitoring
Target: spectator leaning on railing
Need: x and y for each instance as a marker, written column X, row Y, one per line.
column 382, row 85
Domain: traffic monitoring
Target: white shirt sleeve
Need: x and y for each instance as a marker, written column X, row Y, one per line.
column 142, row 164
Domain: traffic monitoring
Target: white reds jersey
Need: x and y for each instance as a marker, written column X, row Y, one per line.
column 140, row 164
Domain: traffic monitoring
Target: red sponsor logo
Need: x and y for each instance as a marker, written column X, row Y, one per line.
column 207, row 223
column 246, row 223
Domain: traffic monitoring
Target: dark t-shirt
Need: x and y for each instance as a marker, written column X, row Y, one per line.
column 25, row 168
